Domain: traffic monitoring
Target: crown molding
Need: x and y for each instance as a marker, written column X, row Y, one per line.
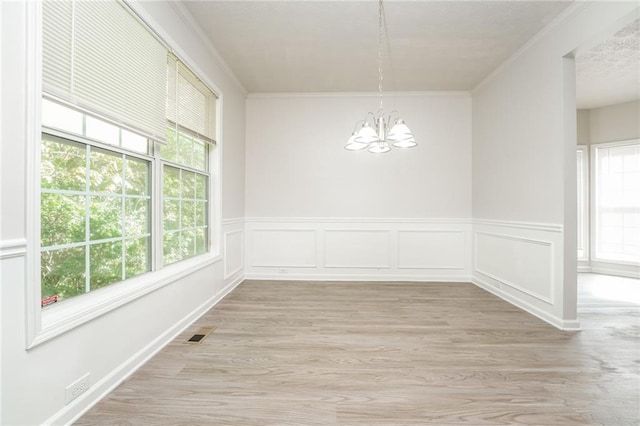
column 387, row 95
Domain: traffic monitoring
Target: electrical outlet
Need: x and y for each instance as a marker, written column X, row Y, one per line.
column 77, row 388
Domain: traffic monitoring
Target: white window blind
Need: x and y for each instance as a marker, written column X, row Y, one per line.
column 191, row 105
column 617, row 201
column 99, row 56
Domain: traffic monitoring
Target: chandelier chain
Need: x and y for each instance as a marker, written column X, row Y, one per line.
column 380, row 48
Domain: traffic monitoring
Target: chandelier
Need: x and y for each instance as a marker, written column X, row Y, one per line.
column 373, row 133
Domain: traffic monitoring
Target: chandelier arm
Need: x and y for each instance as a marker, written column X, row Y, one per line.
column 373, row 118
column 391, row 115
column 358, row 123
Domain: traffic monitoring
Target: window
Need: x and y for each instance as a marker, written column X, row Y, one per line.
column 113, row 146
column 617, row 201
column 184, row 192
column 94, row 205
column 191, row 108
column 583, row 203
column 95, row 217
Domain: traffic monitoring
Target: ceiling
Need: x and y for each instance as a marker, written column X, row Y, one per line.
column 332, row 45
column 609, row 73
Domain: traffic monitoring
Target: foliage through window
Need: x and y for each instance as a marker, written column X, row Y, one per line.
column 95, row 217
column 184, row 193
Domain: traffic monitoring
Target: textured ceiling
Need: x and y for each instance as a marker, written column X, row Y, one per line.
column 331, row 46
column 610, row 72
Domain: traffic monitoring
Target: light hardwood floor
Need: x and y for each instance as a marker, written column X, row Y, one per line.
column 351, row 353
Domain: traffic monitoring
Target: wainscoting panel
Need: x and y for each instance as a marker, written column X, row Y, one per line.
column 294, row 248
column 523, row 264
column 427, row 249
column 358, row 249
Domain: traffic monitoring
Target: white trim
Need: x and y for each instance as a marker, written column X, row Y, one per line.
column 240, row 268
column 559, row 19
column 536, row 226
column 13, row 248
column 358, row 220
column 609, row 268
column 33, row 99
column 72, row 412
column 266, row 276
column 272, row 95
column 233, row 221
column 566, row 325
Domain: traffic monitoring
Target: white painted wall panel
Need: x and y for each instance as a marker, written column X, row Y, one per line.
column 283, row 248
column 233, row 252
column 522, row 263
column 431, row 249
column 357, row 249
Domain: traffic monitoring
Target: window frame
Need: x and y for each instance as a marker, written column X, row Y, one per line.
column 44, row 325
column 583, row 208
column 594, row 201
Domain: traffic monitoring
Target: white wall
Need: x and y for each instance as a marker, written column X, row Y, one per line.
column 613, row 123
column 583, row 130
column 297, row 167
column 109, row 348
column 317, row 211
column 524, row 135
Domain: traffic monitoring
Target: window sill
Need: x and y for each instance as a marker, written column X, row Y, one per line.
column 615, row 262
column 70, row 314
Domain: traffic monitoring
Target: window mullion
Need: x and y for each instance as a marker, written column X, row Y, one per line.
column 87, row 216
column 157, row 209
column 123, row 209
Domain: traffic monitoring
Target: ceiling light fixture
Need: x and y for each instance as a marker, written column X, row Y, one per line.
column 372, row 133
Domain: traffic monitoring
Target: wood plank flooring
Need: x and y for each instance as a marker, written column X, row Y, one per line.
column 351, row 353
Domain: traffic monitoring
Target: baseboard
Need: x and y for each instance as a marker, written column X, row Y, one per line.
column 565, row 325
column 356, row 277
column 72, row 412
column 615, row 272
